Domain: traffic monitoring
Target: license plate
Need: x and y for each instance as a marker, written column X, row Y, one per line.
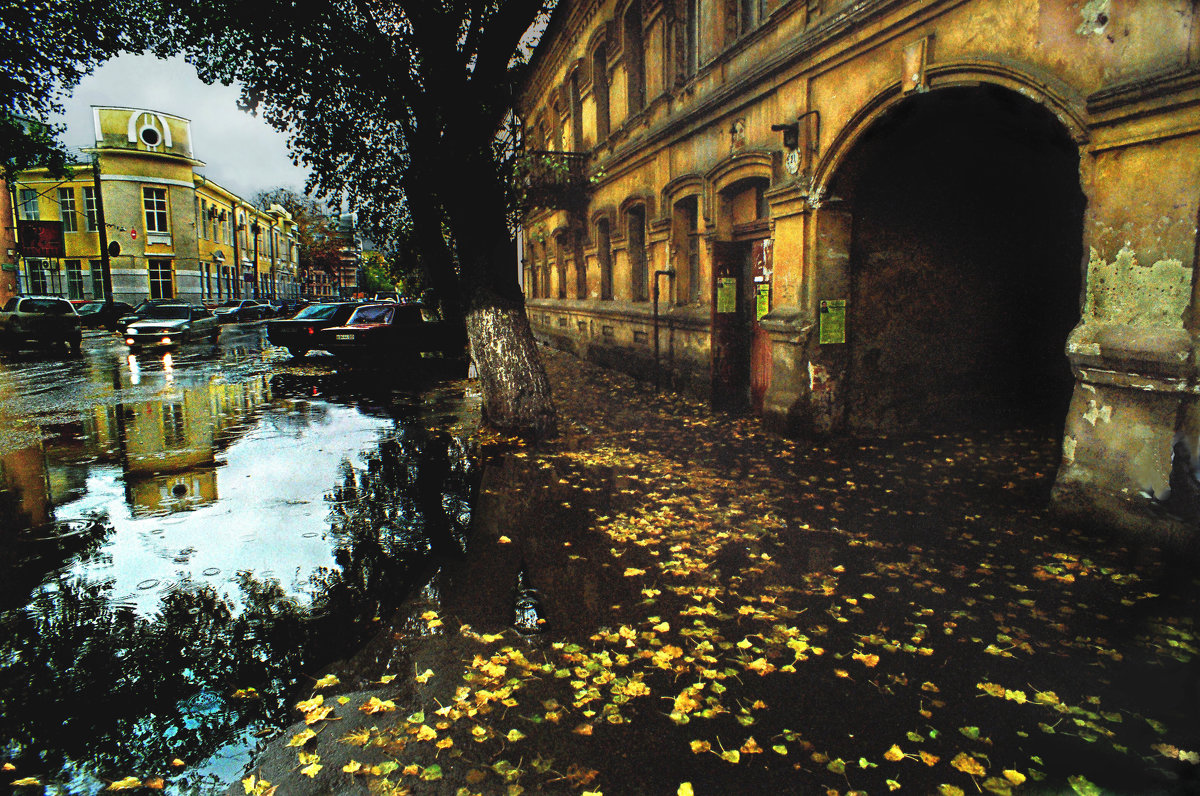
column 345, row 337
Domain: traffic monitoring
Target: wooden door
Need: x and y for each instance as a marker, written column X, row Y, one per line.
column 759, row 292
column 730, row 328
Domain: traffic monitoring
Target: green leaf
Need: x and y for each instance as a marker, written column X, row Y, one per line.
column 1080, row 785
column 432, row 773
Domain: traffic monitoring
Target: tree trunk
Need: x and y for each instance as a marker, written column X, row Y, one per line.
column 516, row 392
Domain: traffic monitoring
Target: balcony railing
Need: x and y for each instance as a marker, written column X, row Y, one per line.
column 556, row 180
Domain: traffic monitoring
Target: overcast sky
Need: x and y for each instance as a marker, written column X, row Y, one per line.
column 241, row 152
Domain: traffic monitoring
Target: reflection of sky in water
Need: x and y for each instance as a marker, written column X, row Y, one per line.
column 270, row 516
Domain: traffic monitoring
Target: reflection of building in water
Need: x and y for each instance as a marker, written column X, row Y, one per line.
column 170, row 446
column 167, row 448
column 24, row 488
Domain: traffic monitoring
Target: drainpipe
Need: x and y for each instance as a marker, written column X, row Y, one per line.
column 670, row 274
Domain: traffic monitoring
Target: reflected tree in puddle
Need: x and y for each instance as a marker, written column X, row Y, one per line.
column 95, row 689
column 392, row 520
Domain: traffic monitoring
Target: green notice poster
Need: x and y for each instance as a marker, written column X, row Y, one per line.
column 833, row 321
column 727, row 294
column 763, row 300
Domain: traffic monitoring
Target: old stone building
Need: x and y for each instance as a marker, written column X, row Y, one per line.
column 863, row 216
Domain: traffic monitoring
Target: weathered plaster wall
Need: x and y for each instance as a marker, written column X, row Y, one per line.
column 1115, row 76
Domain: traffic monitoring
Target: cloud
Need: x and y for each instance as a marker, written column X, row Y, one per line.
column 241, row 152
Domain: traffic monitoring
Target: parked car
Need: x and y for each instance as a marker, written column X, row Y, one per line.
column 97, row 314
column 140, row 311
column 240, row 310
column 299, row 334
column 40, row 319
column 387, row 331
column 171, row 324
column 289, row 308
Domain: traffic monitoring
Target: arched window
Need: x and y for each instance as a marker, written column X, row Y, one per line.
column 636, row 237
column 751, row 14
column 691, row 32
column 686, row 233
column 581, row 279
column 604, row 256
column 635, row 59
column 576, row 113
column 600, row 91
column 560, row 262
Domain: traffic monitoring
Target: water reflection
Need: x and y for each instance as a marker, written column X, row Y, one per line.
column 174, row 549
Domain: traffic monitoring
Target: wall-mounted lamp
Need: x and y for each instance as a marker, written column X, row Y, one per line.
column 791, row 134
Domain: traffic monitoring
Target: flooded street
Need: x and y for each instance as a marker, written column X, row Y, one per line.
column 188, row 535
column 207, row 550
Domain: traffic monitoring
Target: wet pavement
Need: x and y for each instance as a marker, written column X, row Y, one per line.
column 189, row 534
column 727, row 611
column 663, row 600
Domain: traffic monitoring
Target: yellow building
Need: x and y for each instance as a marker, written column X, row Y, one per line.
column 866, row 216
column 171, row 232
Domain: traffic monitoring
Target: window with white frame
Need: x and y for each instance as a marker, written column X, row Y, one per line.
column 161, row 282
column 155, row 202
column 36, row 274
column 29, row 205
column 97, row 278
column 90, row 209
column 66, row 209
column 74, row 279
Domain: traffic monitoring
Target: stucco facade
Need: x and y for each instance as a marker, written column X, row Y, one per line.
column 177, row 234
column 887, row 215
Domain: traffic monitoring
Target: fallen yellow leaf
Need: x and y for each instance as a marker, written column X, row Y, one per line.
column 128, row 783
column 376, row 705
column 327, row 681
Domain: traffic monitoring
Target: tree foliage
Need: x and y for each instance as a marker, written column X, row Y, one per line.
column 401, row 109
column 46, row 47
column 393, row 106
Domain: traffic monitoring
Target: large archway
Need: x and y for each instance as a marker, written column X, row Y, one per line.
column 965, row 263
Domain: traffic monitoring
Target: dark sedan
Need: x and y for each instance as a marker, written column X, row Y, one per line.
column 387, row 331
column 299, row 334
column 101, row 314
column 239, row 310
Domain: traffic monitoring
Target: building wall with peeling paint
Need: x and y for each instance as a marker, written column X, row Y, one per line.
column 1114, row 83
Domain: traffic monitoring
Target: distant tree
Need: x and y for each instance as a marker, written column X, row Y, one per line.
column 46, row 47
column 377, row 274
column 316, row 240
column 400, row 107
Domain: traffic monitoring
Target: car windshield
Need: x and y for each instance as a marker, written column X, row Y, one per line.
column 47, row 306
column 317, row 312
column 92, row 306
column 169, row 312
column 372, row 315
column 229, row 303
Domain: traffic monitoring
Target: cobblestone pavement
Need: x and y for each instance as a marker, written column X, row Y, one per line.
column 726, row 610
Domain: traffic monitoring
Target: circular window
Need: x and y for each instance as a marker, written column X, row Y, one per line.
column 150, row 136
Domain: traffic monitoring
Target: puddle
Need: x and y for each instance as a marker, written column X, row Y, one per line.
column 192, row 547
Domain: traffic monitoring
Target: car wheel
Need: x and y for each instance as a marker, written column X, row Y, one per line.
column 297, row 352
column 75, row 343
column 214, row 334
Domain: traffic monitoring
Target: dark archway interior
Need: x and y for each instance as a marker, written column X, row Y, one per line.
column 966, row 262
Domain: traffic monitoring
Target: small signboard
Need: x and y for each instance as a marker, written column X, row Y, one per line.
column 41, row 239
column 833, row 321
column 762, row 295
column 727, row 294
